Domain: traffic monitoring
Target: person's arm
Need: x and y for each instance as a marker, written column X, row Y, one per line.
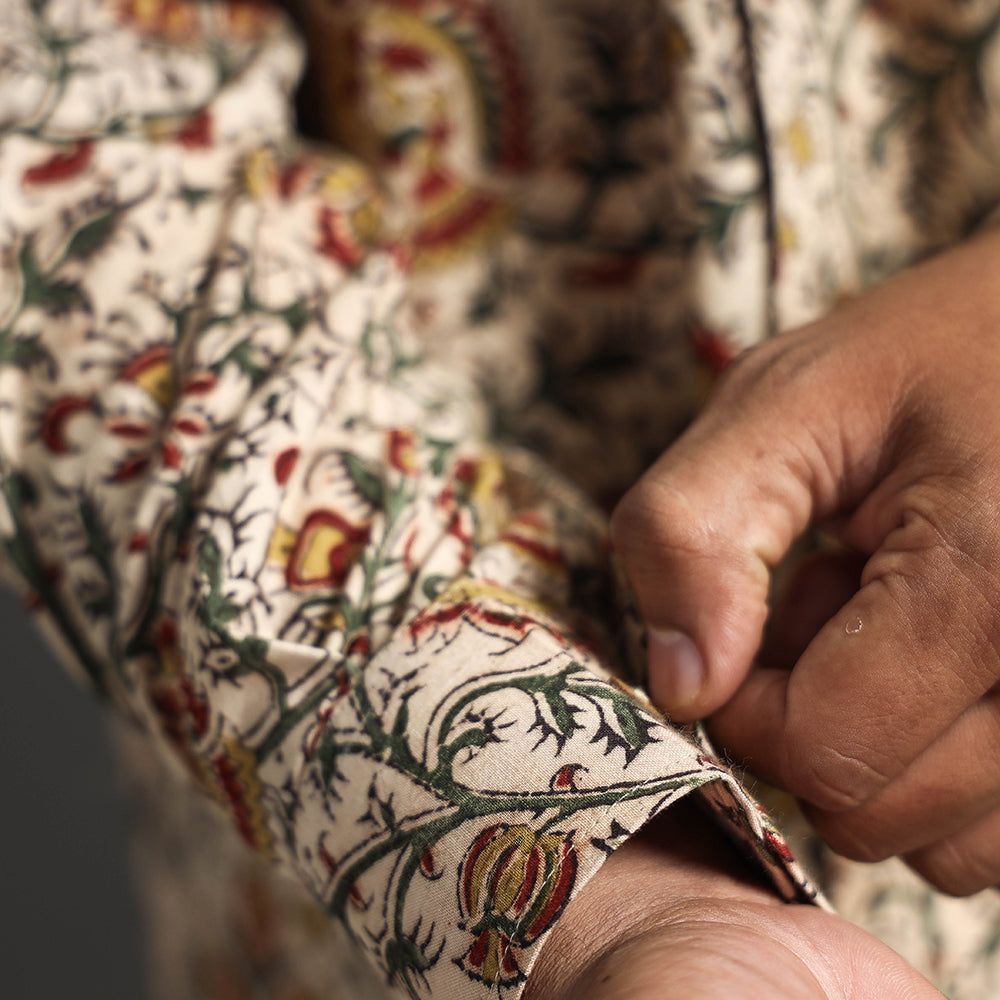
column 676, row 914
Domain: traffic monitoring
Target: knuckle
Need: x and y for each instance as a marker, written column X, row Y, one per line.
column 943, row 574
column 630, row 518
column 836, row 780
column 775, row 364
column 633, row 523
column 852, row 839
column 650, row 519
column 955, row 869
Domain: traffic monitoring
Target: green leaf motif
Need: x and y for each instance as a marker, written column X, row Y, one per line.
column 635, row 728
column 32, row 279
column 40, row 289
column 296, row 316
column 193, row 196
column 98, row 541
column 562, row 712
column 366, row 482
column 634, row 724
column 91, row 237
column 20, row 490
column 244, row 357
column 434, row 586
column 216, row 609
column 21, row 352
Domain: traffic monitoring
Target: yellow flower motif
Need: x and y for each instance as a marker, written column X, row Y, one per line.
column 345, row 178
column 172, row 19
column 483, row 480
column 471, row 589
column 281, row 545
column 799, row 140
column 260, row 173
column 366, row 221
column 152, row 371
column 234, row 770
column 321, row 553
column 786, row 235
column 516, row 882
column 248, row 19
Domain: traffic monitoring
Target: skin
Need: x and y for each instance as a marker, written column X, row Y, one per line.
column 674, row 915
column 876, row 698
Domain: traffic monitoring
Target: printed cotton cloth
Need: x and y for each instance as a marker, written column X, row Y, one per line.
column 306, row 447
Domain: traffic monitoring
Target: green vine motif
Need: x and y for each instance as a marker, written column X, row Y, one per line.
column 406, row 952
column 718, row 214
column 18, row 491
column 44, row 287
column 383, row 737
column 63, row 52
column 405, row 956
column 217, row 612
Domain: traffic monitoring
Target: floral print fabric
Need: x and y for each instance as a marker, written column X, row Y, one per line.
column 276, row 537
column 273, row 420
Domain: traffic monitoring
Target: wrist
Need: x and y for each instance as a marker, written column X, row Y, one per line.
column 677, row 866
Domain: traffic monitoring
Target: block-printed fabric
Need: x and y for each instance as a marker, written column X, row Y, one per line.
column 306, row 448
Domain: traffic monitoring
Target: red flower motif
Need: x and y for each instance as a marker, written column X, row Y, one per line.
column 466, row 470
column 430, row 867
column 132, row 468
column 233, row 767
column 139, row 542
column 325, row 551
column 59, row 412
column 337, row 241
column 171, row 455
column 62, row 166
column 197, row 131
column 360, row 645
column 399, row 56
column 712, row 348
column 131, row 429
column 200, row 383
column 777, row 846
column 325, row 714
column 775, row 843
column 402, row 451
column 565, row 778
column 152, row 371
column 166, row 633
column 190, row 426
column 284, row 465
column 513, row 882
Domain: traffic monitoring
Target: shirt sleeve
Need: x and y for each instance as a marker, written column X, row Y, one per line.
column 280, row 539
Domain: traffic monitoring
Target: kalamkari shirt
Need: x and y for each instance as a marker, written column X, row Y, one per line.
column 307, row 446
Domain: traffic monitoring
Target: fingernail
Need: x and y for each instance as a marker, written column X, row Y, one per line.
column 676, row 672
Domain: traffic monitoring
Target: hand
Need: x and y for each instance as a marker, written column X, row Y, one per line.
column 882, row 423
column 673, row 915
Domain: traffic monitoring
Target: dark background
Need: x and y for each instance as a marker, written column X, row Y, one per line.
column 69, row 925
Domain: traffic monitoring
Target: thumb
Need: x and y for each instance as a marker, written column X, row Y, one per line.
column 785, row 439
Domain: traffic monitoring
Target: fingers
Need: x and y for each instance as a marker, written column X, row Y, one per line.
column 818, row 587
column 951, row 786
column 889, row 673
column 965, row 863
column 700, row 532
